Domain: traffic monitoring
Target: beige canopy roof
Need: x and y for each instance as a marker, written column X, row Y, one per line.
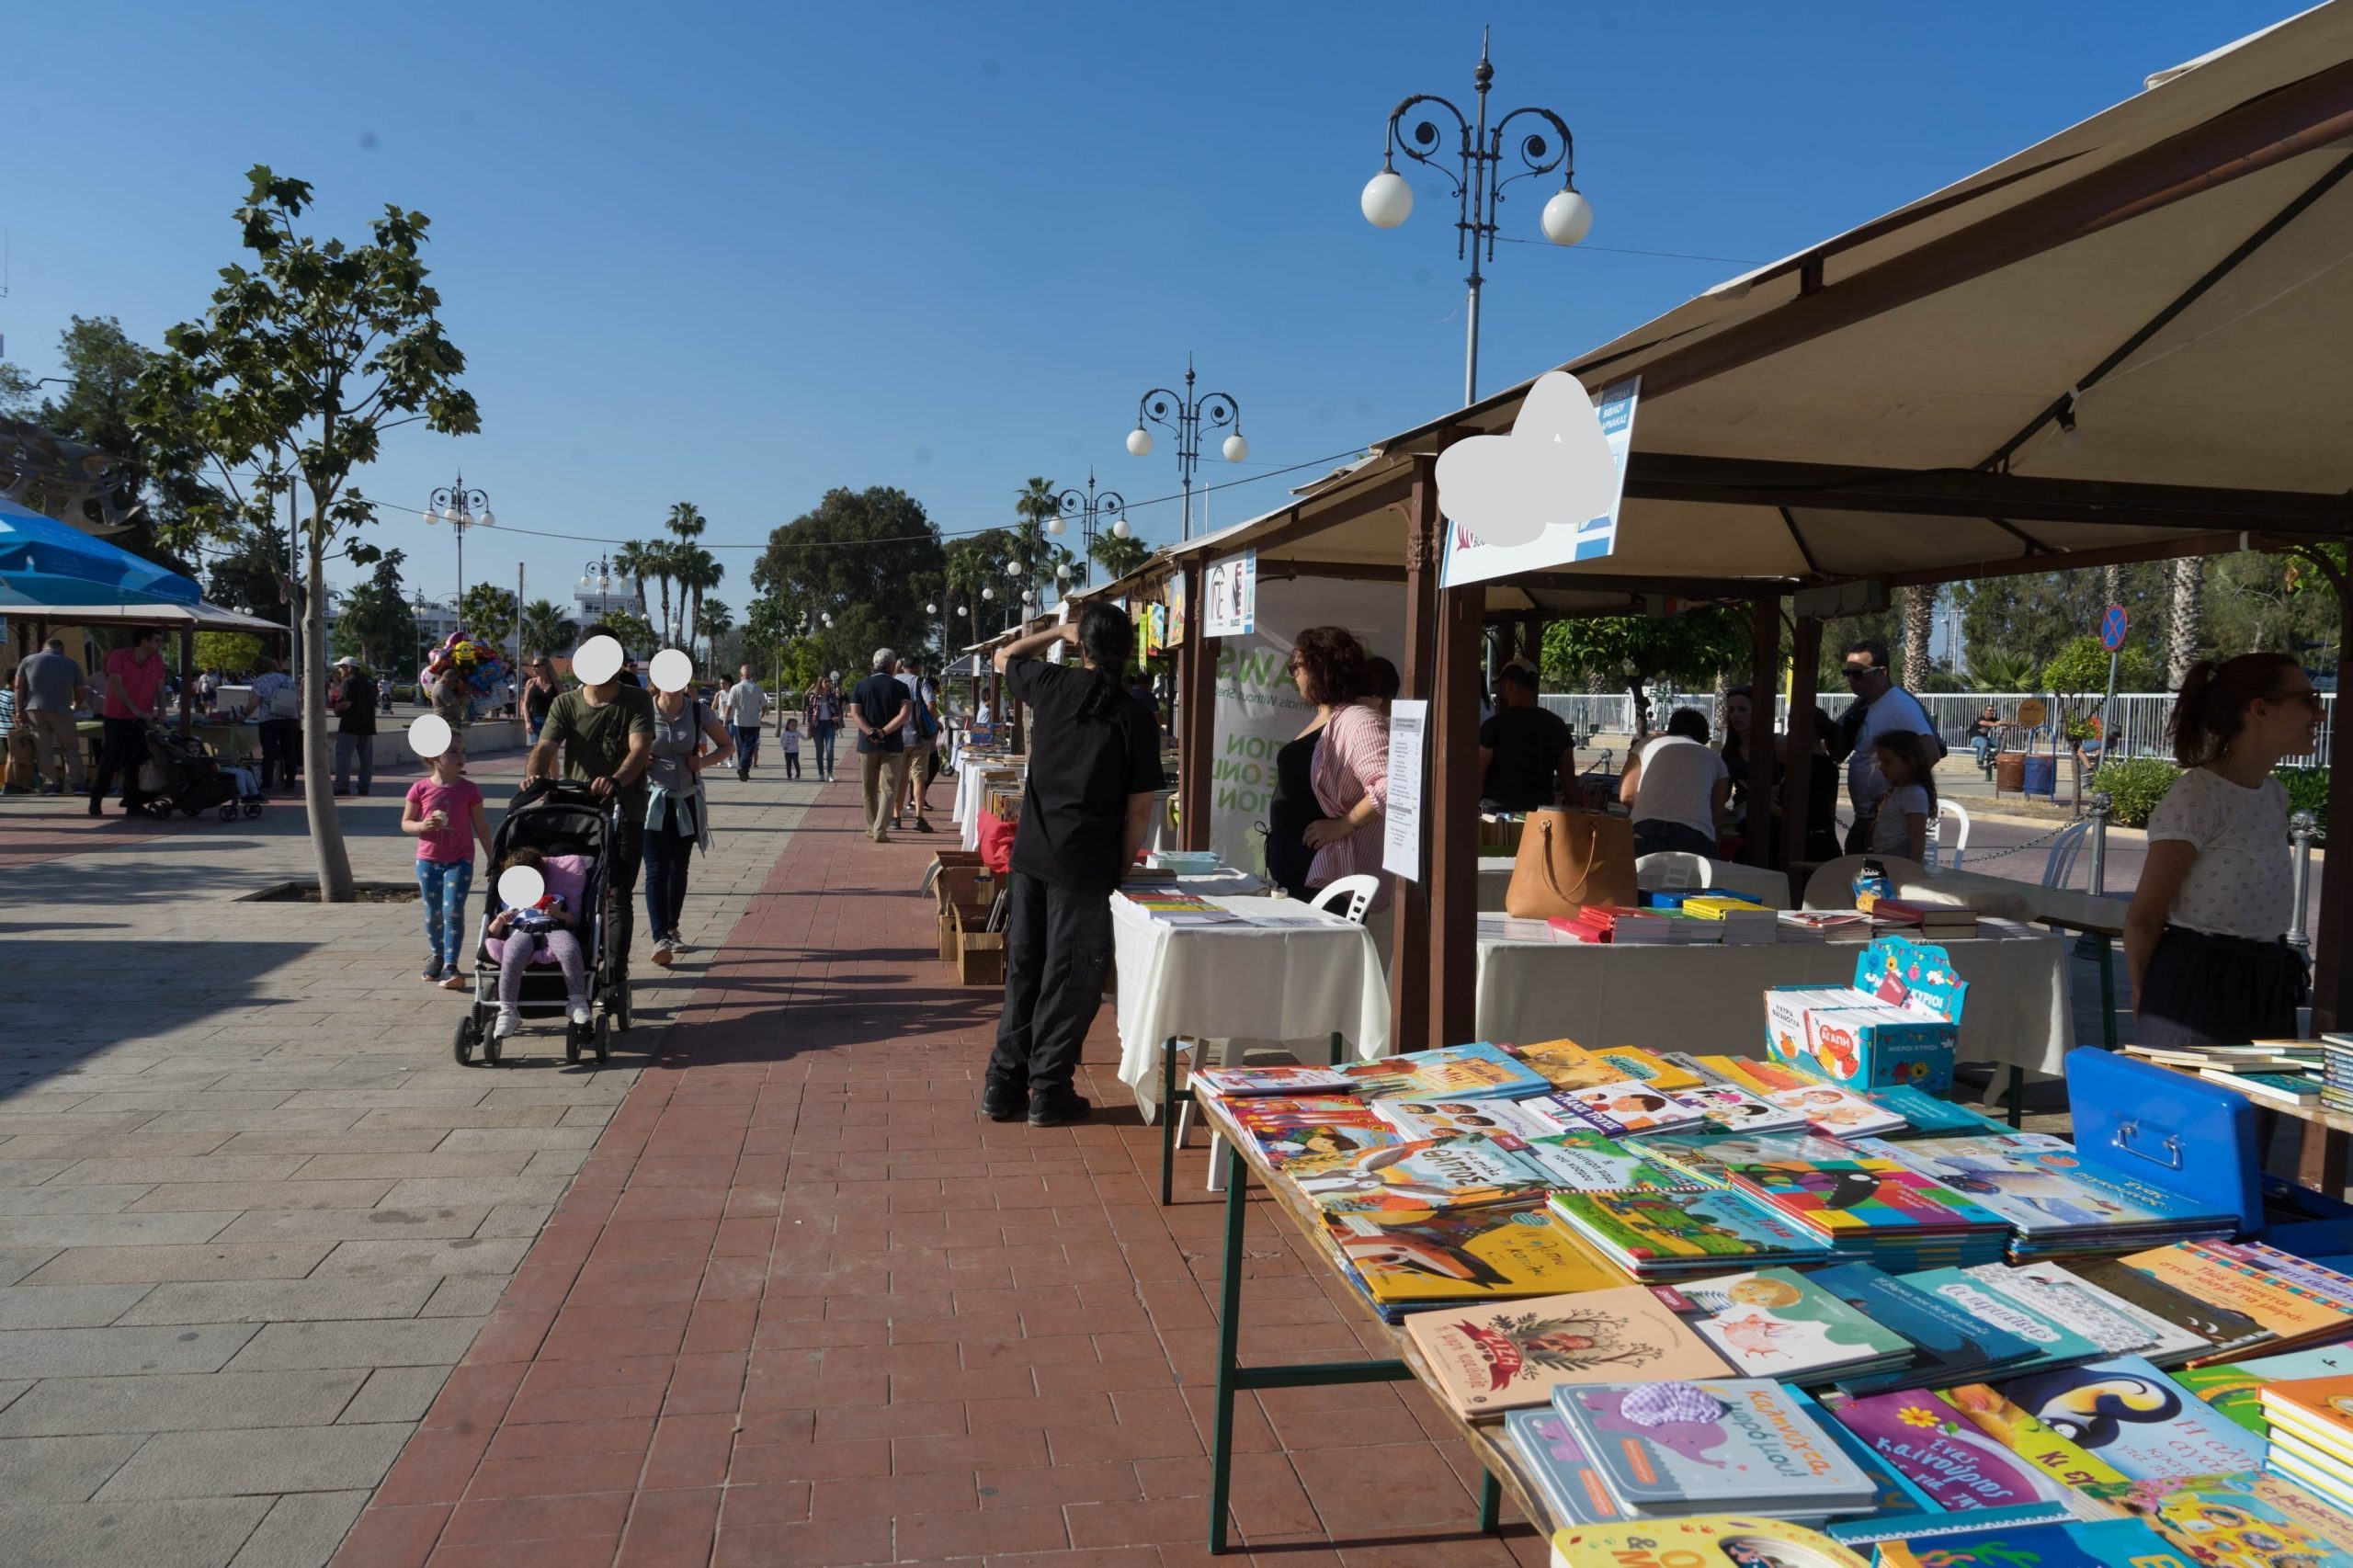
column 202, row 616
column 2174, row 276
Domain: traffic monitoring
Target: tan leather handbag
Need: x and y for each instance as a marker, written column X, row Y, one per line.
column 1567, row 858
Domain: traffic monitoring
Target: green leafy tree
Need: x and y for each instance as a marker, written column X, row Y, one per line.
column 488, row 612
column 377, row 627
column 1118, row 556
column 864, row 557
column 1634, row 650
column 2038, row 614
column 547, row 629
column 634, row 632
column 304, row 359
column 233, row 652
column 253, row 574
column 2082, row 667
column 1997, row 670
column 635, row 561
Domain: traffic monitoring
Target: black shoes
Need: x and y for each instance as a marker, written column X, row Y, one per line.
column 1001, row 1101
column 1058, row 1108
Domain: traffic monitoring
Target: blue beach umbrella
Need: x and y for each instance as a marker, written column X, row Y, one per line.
column 44, row 563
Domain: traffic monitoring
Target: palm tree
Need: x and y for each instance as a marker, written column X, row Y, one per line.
column 546, row 629
column 635, row 562
column 2185, row 626
column 699, row 571
column 1919, row 624
column 686, row 523
column 714, row 620
column 656, row 559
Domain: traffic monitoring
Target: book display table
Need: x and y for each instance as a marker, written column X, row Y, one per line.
column 1282, row 972
column 1760, row 884
column 1703, row 997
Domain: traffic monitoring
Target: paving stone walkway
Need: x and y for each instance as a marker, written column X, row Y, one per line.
column 801, row 1305
column 252, row 1212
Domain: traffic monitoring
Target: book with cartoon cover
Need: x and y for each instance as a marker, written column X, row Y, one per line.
column 1928, row 1116
column 2233, row 1387
column 1672, row 1233
column 1668, row 1447
column 1895, row 1497
column 1305, row 1147
column 1550, row 1456
column 2224, row 1331
column 1647, row 1067
column 2246, row 1520
column 2055, row 1454
column 2038, row 1185
column 1712, row 1540
column 1427, row 1175
column 1776, row 1323
column 1473, row 1071
column 1469, row 1254
column 1627, row 1108
column 1735, row 1109
column 1241, row 1082
column 2054, row 1344
column 1836, row 1113
column 2113, row 1324
column 1281, row 1113
column 2090, row 1543
column 2129, row 1416
column 1592, row 1162
column 2295, row 1317
column 1565, row 1064
column 1943, row 1453
column 1859, row 1195
column 1712, row 1156
column 1949, row 1345
column 1485, row 1360
column 1451, row 1119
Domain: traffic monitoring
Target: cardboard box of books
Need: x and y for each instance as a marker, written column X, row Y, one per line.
column 1896, row 1024
column 979, row 952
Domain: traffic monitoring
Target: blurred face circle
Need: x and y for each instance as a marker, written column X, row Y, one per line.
column 520, row 887
column 430, row 736
column 672, row 670
column 597, row 661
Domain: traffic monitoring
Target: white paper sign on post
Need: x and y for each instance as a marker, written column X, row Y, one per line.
column 1549, row 494
column 1231, row 588
column 1401, row 840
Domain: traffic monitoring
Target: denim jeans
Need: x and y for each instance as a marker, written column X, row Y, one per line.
column 824, row 734
column 748, row 748
column 443, row 885
column 348, row 748
column 667, row 850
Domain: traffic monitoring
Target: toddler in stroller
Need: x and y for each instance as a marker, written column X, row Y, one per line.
column 183, row 775
column 517, row 936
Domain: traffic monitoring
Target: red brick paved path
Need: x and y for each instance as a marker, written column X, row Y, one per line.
column 802, row 1305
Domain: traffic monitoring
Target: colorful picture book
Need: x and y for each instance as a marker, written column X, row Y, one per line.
column 1589, row 1162
column 2237, row 1521
column 2117, row 1326
column 1712, row 1157
column 1302, row 1148
column 1486, row 1360
column 1950, row 1344
column 1676, row 1235
column 1550, row 1456
column 2224, row 1331
column 1837, row 1113
column 2233, row 1387
column 2312, row 1434
column 1942, row 1452
column 1728, row 1540
column 1776, row 1323
column 1740, row 1445
column 1430, row 1174
column 1879, row 1209
column 1626, row 1108
column 2295, row 1315
column 1735, row 1109
column 2054, row 1344
column 1449, row 1072
column 1232, row 1082
column 1448, row 1119
column 2103, row 1543
column 2057, row 1203
column 1468, row 1254
column 2129, row 1416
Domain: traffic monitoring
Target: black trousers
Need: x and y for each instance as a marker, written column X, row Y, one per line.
column 121, row 751
column 629, row 855
column 1057, row 957
column 281, row 750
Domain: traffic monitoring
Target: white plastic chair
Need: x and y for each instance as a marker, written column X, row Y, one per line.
column 1350, row 898
column 1667, row 868
column 1930, row 852
column 2059, row 870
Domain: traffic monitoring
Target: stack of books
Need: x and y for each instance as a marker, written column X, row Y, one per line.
column 2058, row 1205
column 1424, row 1177
column 1475, row 1072
column 1683, row 1235
column 2312, row 1435
column 2336, row 1073
column 1232, row 1083
column 1776, row 1323
column 2235, row 1388
column 1503, row 1253
column 2300, row 1303
column 1667, row 1449
column 1743, row 922
column 1878, row 1210
column 1828, row 926
column 1950, row 1344
column 1622, row 1110
column 1938, row 921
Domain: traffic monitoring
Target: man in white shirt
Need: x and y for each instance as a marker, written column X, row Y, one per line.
column 743, row 704
column 921, row 737
column 1880, row 706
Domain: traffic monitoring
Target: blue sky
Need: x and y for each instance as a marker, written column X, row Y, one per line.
column 739, row 255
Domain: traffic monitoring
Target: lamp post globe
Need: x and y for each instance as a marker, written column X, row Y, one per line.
column 931, row 609
column 1235, row 449
column 1568, row 218
column 488, row 519
column 1055, row 525
column 1388, row 199
column 987, row 592
column 1120, row 529
column 1140, row 442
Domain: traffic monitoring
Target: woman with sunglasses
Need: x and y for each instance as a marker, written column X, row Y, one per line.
column 539, row 692
column 2206, row 938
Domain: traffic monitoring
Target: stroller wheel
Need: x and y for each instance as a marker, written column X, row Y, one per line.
column 492, row 1047
column 572, row 1042
column 621, row 1010
column 604, row 1041
column 253, row 810
column 192, row 810
column 463, row 1047
column 228, row 810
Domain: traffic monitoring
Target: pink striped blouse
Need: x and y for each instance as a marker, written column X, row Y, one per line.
column 1351, row 762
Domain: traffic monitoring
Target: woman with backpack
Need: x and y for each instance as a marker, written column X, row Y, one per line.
column 678, row 814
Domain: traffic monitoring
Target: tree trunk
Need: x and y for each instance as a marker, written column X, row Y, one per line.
column 2112, row 583
column 2185, row 626
column 1919, row 621
column 328, row 852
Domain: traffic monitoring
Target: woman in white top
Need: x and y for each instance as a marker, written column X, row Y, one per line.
column 2206, row 939
column 1677, row 788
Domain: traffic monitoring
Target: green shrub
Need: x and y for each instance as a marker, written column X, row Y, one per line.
column 2307, row 790
column 2134, row 786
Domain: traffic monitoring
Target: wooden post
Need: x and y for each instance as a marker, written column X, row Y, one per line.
column 187, row 675
column 1196, row 715
column 1764, row 680
column 1409, row 973
column 1450, row 802
column 2331, row 1003
column 1797, row 785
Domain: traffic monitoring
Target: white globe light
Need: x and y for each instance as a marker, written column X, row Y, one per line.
column 487, row 520
column 1013, row 569
column 987, row 592
column 931, row 609
column 1062, row 572
column 1120, row 530
column 966, row 610
column 1236, row 448
column 1140, row 442
column 431, row 516
column 1055, row 525
column 1568, row 218
column 1387, row 200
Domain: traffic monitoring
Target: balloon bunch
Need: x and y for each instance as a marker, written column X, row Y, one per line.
column 479, row 665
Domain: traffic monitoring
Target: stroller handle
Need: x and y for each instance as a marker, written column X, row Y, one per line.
column 566, row 792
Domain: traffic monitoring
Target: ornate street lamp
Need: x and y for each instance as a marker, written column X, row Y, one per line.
column 462, row 509
column 1088, row 508
column 1475, row 171
column 1185, row 415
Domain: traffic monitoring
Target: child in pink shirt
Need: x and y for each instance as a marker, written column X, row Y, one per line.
column 444, row 814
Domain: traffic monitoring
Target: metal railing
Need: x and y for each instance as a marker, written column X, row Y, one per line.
column 2135, row 727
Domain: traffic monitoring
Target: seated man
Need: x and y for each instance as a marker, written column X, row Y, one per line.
column 1985, row 735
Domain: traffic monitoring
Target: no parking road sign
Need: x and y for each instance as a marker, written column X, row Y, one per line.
column 2111, row 629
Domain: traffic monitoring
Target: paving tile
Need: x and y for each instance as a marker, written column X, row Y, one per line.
column 195, row 1534
column 110, row 1230
column 218, row 1400
column 110, row 1264
column 89, row 1352
column 200, row 1169
column 356, row 1224
column 301, row 1530
column 262, row 1461
column 283, row 1301
column 62, row 1470
column 395, row 1393
column 215, row 1196
column 384, row 1342
column 464, row 1256
column 67, row 1306
column 22, row 1200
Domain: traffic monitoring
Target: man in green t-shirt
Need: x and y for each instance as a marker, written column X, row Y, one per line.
column 605, row 733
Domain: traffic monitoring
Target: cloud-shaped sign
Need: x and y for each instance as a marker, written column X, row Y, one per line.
column 1554, row 467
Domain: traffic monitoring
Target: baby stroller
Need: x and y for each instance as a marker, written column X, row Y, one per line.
column 556, row 819
column 186, row 777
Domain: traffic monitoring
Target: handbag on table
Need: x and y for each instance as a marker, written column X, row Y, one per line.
column 1568, row 858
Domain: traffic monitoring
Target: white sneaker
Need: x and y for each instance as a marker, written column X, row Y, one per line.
column 663, row 951
column 580, row 1014
column 507, row 1019
column 681, row 945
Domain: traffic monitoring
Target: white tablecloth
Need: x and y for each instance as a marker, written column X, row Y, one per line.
column 1832, row 887
column 1299, row 982
column 1766, row 886
column 1711, row 998
column 970, row 788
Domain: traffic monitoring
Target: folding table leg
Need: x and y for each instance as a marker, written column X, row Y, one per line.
column 2108, row 993
column 1167, row 1121
column 2018, row 1097
column 1491, row 1502
column 1335, row 1047
column 1228, row 1337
